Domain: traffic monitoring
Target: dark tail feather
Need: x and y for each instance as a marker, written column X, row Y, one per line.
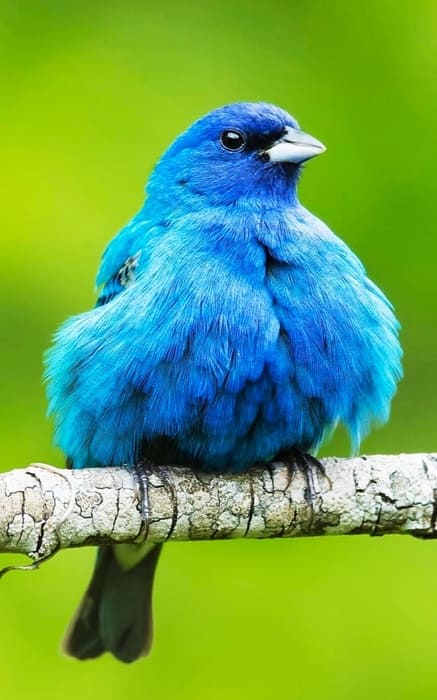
column 115, row 614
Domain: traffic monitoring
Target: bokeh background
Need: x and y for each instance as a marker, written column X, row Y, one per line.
column 91, row 93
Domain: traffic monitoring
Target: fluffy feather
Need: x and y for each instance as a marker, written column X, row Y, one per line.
column 244, row 327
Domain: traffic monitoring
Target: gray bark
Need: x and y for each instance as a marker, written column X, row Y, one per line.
column 43, row 509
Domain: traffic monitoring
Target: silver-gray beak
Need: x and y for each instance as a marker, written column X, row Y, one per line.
column 293, row 147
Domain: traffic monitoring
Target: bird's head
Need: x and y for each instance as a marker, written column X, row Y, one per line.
column 240, row 151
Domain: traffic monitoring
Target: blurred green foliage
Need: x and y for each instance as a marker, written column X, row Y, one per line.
column 92, row 92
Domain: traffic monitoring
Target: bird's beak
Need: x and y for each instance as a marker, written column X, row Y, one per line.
column 293, row 147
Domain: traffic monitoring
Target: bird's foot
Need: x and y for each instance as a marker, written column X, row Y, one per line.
column 144, row 471
column 308, row 466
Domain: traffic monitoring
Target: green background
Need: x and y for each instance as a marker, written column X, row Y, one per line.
column 91, row 93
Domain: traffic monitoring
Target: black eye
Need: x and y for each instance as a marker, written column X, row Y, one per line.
column 233, row 140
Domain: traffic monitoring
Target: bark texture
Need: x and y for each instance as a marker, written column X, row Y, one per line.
column 43, row 509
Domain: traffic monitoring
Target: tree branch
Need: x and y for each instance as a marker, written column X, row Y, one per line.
column 43, row 509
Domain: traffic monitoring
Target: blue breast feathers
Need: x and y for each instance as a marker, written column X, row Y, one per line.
column 260, row 337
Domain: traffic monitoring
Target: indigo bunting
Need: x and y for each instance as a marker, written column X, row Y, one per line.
column 232, row 325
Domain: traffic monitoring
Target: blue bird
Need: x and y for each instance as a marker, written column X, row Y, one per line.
column 232, row 326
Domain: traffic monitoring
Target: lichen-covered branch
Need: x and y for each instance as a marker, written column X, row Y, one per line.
column 43, row 509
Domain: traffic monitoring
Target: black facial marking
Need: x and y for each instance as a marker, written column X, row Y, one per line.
column 259, row 142
column 236, row 140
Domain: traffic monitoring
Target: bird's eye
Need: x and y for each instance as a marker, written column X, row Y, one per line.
column 233, row 140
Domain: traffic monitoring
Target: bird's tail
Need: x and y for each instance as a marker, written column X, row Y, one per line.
column 115, row 614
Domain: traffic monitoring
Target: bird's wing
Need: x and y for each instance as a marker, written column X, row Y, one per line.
column 123, row 276
column 120, row 260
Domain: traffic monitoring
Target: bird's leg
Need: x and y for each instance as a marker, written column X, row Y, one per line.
column 142, row 472
column 307, row 465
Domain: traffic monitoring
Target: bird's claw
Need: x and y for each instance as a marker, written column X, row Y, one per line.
column 307, row 466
